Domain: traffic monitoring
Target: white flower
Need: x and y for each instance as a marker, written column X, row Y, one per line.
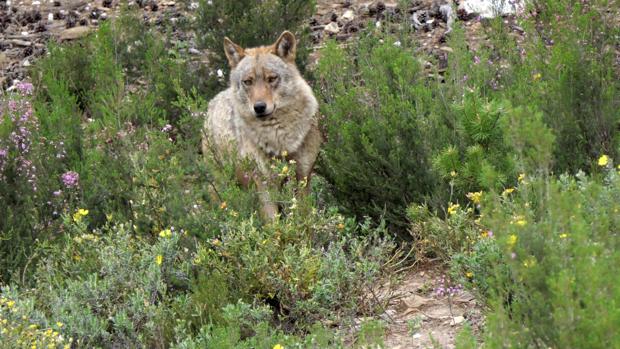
column 220, row 73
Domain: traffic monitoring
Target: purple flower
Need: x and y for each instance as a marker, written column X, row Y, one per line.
column 57, row 193
column 3, row 153
column 476, row 60
column 70, row 179
column 25, row 87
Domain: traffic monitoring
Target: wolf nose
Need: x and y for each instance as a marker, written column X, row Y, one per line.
column 260, row 108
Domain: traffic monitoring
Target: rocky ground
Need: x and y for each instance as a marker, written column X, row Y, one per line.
column 27, row 25
column 426, row 311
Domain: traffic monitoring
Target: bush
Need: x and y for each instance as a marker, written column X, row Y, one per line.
column 377, row 153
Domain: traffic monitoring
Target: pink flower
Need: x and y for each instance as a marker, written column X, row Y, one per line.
column 70, row 179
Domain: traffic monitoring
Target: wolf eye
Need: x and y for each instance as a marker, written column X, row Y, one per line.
column 247, row 82
column 272, row 79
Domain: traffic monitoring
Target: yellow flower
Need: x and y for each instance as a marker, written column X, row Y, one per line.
column 216, row 242
column 285, row 170
column 453, row 173
column 59, row 324
column 278, row 346
column 512, row 240
column 10, row 304
column 79, row 214
column 508, row 191
column 453, row 208
column 223, row 205
column 284, row 153
column 469, row 274
column 340, row 226
column 475, row 197
column 536, row 76
column 563, row 236
column 521, row 222
column 521, row 177
column 166, row 233
column 529, row 262
column 159, row 259
column 603, row 160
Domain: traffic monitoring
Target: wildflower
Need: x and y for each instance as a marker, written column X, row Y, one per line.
column 453, row 174
column 57, row 192
column 284, row 153
column 159, row 259
column 284, row 171
column 475, row 197
column 223, row 205
column 476, row 60
column 487, row 234
column 563, row 236
column 469, row 274
column 603, row 160
column 521, row 177
column 216, row 242
column 513, row 255
column 340, row 226
column 166, row 233
column 10, row 304
column 537, row 76
column 25, row 87
column 512, row 240
column 521, row 222
column 278, row 346
column 59, row 324
column 70, row 179
column 508, row 191
column 453, row 208
column 529, row 262
column 79, row 214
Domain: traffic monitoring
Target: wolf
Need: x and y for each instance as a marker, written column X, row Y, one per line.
column 268, row 111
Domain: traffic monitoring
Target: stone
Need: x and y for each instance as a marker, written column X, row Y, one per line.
column 74, row 33
column 348, row 16
column 332, row 28
column 491, row 8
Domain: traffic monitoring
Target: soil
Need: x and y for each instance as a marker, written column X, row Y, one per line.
column 418, row 316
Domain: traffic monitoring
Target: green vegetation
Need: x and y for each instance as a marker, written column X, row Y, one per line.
column 116, row 233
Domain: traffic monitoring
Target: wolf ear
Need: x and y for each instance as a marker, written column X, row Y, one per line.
column 234, row 52
column 286, row 46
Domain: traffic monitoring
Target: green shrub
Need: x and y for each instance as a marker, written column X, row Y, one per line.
column 377, row 153
column 556, row 282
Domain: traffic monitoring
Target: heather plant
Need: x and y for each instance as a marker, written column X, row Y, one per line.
column 31, row 177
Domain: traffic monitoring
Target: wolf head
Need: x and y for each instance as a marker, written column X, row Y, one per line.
column 264, row 79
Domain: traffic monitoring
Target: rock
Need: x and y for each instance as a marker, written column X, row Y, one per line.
column 348, row 16
column 457, row 320
column 491, row 8
column 74, row 33
column 332, row 28
column 446, row 49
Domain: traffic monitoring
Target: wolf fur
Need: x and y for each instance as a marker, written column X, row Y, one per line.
column 268, row 111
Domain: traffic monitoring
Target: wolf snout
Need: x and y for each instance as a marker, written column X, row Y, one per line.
column 260, row 109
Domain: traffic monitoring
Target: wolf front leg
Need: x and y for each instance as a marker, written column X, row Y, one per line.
column 268, row 209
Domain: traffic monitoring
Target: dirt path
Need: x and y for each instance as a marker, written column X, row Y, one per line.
column 423, row 314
